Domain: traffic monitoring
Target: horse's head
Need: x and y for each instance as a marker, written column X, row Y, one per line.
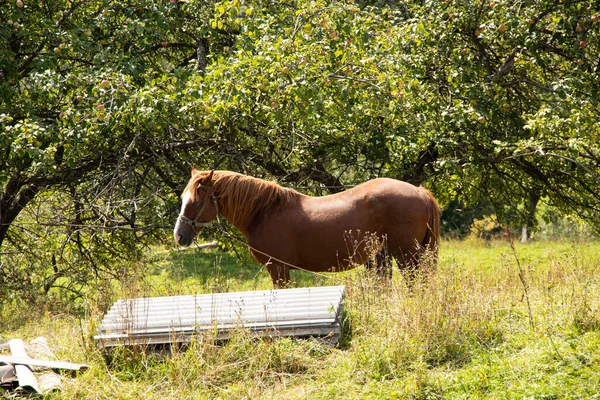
column 198, row 207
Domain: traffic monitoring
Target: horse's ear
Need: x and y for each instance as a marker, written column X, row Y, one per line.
column 194, row 168
column 207, row 180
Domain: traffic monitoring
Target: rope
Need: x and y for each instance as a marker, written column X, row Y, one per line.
column 230, row 236
column 243, row 243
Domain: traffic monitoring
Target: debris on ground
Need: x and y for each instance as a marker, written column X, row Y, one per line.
column 29, row 370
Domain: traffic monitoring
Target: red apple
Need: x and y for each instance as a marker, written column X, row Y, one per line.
column 578, row 28
column 164, row 44
column 100, row 107
column 502, row 28
column 583, row 43
column 481, row 119
column 105, row 83
column 20, row 3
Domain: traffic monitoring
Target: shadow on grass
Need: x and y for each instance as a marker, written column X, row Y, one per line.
column 206, row 266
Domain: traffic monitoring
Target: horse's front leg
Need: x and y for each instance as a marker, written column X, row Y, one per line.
column 280, row 275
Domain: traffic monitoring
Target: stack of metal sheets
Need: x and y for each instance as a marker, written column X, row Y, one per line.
column 304, row 312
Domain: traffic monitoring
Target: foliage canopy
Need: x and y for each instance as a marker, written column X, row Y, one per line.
column 105, row 105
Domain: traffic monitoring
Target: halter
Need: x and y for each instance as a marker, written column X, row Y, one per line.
column 195, row 223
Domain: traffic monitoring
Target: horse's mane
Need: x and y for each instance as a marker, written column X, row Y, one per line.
column 244, row 197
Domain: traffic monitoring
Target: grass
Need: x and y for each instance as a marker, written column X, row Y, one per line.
column 493, row 323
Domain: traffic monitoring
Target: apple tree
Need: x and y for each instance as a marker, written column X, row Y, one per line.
column 105, row 106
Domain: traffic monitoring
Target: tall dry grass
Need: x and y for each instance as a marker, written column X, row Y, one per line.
column 459, row 313
column 490, row 322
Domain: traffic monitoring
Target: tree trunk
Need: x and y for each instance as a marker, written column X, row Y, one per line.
column 524, row 234
column 14, row 198
column 201, row 54
column 534, row 198
column 417, row 173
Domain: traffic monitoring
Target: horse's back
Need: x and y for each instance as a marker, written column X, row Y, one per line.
column 384, row 206
column 378, row 197
column 391, row 196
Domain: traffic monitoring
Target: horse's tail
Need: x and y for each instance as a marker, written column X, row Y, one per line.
column 432, row 236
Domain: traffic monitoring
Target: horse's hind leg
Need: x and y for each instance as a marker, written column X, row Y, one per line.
column 382, row 264
column 415, row 266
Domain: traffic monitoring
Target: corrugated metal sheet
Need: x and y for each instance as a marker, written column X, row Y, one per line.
column 316, row 311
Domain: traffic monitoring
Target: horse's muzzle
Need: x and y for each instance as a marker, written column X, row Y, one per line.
column 183, row 240
column 182, row 236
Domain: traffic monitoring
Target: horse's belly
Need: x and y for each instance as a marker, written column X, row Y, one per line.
column 336, row 251
column 324, row 248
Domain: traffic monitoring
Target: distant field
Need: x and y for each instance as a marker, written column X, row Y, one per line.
column 492, row 323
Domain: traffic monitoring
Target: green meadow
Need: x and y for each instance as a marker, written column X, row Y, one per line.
column 494, row 322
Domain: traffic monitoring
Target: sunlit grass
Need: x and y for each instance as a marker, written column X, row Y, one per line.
column 466, row 332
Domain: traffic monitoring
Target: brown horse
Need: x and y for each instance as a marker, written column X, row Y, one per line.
column 286, row 229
